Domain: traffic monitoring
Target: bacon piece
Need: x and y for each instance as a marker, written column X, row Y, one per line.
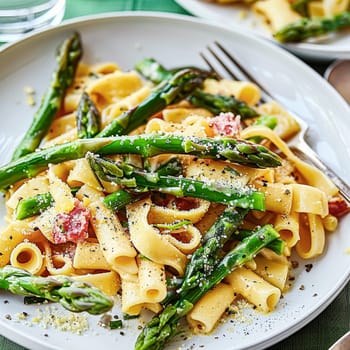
column 338, row 207
column 226, row 124
column 185, row 203
column 72, row 226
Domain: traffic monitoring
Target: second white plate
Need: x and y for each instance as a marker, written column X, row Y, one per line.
column 338, row 46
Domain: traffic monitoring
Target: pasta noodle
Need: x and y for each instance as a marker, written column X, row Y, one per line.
column 108, row 282
column 275, row 13
column 28, row 256
column 115, row 244
column 255, row 289
column 209, row 309
column 149, row 242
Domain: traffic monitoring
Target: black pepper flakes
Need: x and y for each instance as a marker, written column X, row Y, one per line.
column 295, row 264
column 308, row 267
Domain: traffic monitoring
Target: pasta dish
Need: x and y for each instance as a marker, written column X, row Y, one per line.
column 173, row 189
column 298, row 20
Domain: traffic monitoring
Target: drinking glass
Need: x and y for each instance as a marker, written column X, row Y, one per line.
column 19, row 17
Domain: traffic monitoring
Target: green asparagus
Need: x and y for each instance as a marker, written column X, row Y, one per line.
column 223, row 148
column 301, row 6
column 68, row 57
column 306, row 28
column 119, row 199
column 164, row 326
column 204, row 259
column 33, row 205
column 72, row 295
column 276, row 246
column 141, row 181
column 88, row 118
column 219, row 103
column 171, row 91
column 269, row 121
column 155, row 72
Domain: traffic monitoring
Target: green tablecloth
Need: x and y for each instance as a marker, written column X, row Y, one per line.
column 335, row 320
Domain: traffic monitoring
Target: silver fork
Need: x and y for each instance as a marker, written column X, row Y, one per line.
column 297, row 142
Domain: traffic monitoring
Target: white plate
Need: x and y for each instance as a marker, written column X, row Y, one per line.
column 127, row 38
column 338, row 46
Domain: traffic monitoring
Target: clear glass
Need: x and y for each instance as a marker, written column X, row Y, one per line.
column 19, row 17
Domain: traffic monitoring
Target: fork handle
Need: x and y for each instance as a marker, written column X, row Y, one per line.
column 308, row 154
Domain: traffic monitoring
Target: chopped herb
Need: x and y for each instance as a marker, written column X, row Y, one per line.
column 232, row 170
column 173, row 226
column 308, row 267
column 115, row 324
column 33, row 300
column 130, row 317
column 141, row 256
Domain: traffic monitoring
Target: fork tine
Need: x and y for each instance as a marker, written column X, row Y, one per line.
column 232, row 59
column 209, row 65
column 234, row 76
column 266, row 94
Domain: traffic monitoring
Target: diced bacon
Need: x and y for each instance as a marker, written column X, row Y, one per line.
column 226, row 124
column 338, row 207
column 185, row 204
column 72, row 226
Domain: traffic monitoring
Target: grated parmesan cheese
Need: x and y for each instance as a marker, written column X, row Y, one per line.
column 242, row 14
column 51, row 316
column 30, row 93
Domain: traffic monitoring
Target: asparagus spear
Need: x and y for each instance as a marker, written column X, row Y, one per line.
column 33, row 205
column 72, row 295
column 277, row 245
column 301, row 6
column 88, row 118
column 266, row 120
column 68, row 57
column 154, row 71
column 119, row 199
column 204, row 259
column 312, row 27
column 142, row 181
column 219, row 103
column 165, row 325
column 224, row 148
column 173, row 90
